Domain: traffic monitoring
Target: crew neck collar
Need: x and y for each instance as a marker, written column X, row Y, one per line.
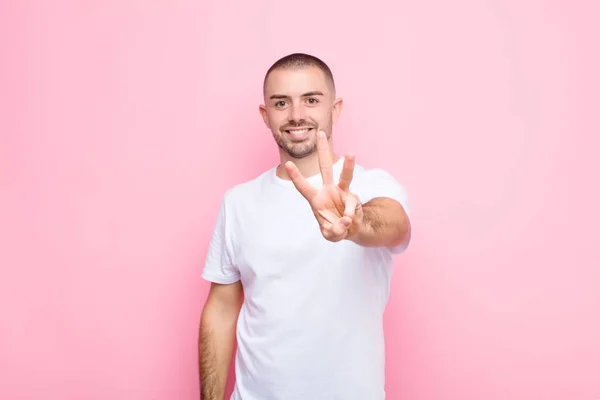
column 315, row 179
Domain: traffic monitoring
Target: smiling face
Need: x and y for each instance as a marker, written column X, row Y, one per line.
column 298, row 103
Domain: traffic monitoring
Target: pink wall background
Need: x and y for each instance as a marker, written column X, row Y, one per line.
column 122, row 123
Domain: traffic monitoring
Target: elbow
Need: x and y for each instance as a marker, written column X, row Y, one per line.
column 402, row 230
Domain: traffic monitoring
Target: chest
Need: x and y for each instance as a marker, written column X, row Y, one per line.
column 280, row 240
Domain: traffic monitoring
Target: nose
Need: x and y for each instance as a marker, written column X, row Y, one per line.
column 296, row 112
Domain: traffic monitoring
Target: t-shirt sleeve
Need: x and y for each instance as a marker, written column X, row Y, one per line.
column 220, row 266
column 382, row 184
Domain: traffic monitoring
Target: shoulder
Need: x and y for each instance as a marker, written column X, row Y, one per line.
column 247, row 190
column 369, row 183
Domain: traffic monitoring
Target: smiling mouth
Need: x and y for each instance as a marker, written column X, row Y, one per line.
column 298, row 131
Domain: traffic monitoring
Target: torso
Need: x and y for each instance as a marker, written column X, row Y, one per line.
column 311, row 322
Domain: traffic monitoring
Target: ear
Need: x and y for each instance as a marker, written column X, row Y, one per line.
column 337, row 109
column 263, row 112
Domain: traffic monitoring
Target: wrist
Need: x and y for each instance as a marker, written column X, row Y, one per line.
column 358, row 231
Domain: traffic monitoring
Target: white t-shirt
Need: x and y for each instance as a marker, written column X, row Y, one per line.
column 311, row 325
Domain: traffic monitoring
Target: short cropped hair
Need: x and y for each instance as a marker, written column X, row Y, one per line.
column 301, row 60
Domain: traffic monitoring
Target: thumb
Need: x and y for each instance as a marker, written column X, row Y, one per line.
column 342, row 226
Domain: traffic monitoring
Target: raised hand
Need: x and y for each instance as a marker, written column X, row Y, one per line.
column 338, row 211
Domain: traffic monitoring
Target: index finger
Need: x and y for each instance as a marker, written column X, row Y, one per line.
column 325, row 162
column 347, row 172
column 301, row 184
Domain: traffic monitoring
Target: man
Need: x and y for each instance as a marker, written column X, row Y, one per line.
column 301, row 258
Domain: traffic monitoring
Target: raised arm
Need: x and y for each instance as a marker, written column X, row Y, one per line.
column 381, row 221
column 384, row 223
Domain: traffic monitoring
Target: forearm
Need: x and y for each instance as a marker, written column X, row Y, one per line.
column 384, row 223
column 216, row 345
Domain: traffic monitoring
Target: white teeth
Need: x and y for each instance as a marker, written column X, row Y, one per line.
column 298, row 132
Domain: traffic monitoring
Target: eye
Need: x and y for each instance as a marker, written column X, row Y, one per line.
column 312, row 100
column 280, row 104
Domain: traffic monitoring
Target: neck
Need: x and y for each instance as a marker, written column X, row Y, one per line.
column 308, row 166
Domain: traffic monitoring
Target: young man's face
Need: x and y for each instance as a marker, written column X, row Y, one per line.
column 299, row 103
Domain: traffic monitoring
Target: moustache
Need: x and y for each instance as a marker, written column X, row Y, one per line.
column 297, row 124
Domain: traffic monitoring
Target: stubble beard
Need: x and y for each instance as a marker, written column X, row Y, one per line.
column 300, row 149
column 296, row 149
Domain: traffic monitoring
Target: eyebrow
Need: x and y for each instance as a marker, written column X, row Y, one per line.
column 283, row 96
